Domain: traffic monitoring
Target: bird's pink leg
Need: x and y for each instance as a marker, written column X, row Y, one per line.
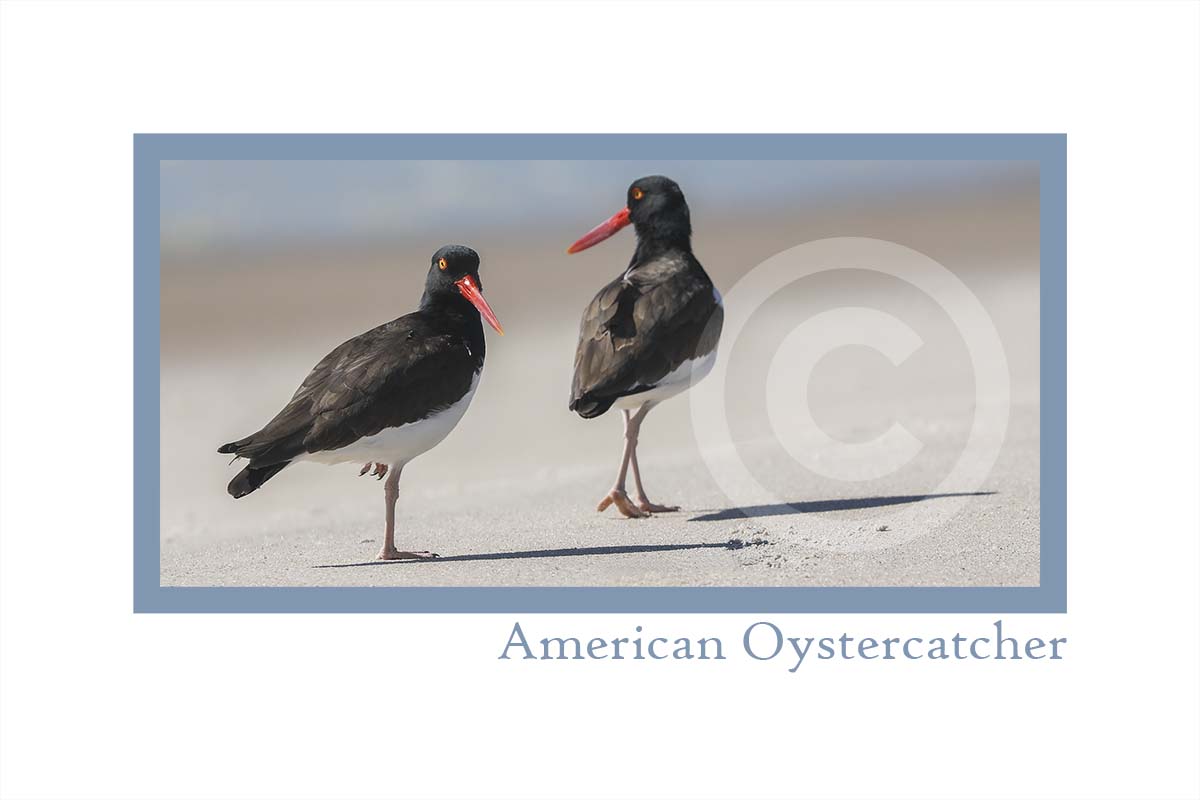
column 391, row 492
column 617, row 496
column 643, row 502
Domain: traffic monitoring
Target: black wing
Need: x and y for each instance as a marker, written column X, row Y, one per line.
column 398, row 373
column 638, row 329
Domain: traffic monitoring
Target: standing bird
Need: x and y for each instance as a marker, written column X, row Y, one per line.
column 386, row 396
column 649, row 334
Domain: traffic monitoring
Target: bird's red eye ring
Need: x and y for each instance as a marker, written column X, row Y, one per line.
column 442, row 263
column 637, row 193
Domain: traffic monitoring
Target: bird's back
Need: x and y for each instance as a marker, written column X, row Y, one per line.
column 395, row 374
column 640, row 328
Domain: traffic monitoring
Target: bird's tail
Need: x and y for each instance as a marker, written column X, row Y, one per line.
column 589, row 407
column 251, row 478
column 233, row 447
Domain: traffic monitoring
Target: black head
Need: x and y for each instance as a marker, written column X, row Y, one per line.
column 450, row 263
column 658, row 212
column 453, row 273
column 655, row 202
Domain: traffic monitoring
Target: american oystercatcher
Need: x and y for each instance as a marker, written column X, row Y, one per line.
column 384, row 397
column 649, row 334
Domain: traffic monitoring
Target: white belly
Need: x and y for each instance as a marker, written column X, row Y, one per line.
column 400, row 445
column 673, row 383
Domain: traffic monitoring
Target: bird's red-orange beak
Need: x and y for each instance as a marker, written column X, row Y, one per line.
column 602, row 231
column 470, row 290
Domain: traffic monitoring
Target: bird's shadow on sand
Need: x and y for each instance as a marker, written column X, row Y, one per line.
column 818, row 506
column 616, row 550
column 750, row 512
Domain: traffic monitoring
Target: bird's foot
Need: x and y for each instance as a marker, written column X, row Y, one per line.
column 654, row 508
column 375, row 468
column 621, row 500
column 392, row 554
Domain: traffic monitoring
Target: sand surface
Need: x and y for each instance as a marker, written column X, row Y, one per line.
column 509, row 498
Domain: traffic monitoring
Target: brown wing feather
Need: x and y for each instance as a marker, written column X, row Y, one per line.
column 392, row 375
column 638, row 329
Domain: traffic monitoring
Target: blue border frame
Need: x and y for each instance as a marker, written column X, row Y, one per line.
column 1048, row 149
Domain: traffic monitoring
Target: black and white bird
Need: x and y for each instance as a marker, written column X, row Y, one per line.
column 652, row 332
column 386, row 396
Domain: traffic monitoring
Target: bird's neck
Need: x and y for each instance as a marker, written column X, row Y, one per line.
column 659, row 237
column 454, row 310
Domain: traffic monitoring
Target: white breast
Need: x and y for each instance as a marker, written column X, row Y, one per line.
column 403, row 444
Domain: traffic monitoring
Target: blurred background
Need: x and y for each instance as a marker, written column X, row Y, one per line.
column 267, row 265
column 224, row 204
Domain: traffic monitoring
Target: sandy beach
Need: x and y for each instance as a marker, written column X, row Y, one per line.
column 509, row 498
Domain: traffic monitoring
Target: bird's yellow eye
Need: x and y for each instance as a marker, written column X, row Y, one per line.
column 637, row 193
column 442, row 263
